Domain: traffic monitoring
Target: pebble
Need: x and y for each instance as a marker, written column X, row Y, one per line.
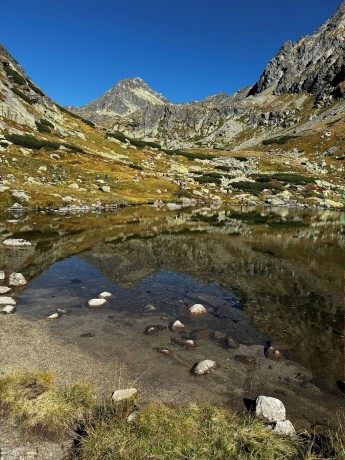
column 7, row 301
column 105, row 295
column 177, row 326
column 149, row 307
column 96, row 303
column 271, row 409
column 163, row 351
column 122, row 395
column 17, row 279
column 53, row 316
column 197, row 310
column 8, row 309
column 186, row 343
column 205, row 366
column 153, row 329
column 16, row 243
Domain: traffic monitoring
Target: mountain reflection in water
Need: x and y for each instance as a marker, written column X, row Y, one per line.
column 283, row 267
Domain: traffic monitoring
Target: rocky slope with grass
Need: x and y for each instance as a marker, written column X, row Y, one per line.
column 275, row 143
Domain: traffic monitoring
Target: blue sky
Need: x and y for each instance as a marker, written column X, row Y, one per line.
column 75, row 50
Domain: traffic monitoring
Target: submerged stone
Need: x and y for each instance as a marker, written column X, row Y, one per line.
column 205, row 366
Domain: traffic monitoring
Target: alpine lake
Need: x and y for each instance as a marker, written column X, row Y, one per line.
column 266, row 276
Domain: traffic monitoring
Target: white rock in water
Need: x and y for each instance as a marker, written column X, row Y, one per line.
column 197, row 309
column 105, row 295
column 8, row 309
column 149, row 307
column 271, row 409
column 94, row 303
column 284, row 427
column 177, row 326
column 17, row 279
column 16, row 243
column 4, row 289
column 2, row 275
column 53, row 316
column 122, row 395
column 205, row 366
column 7, row 301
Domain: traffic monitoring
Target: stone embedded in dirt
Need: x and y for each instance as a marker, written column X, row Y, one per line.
column 132, row 416
column 273, row 353
column 8, row 309
column 199, row 333
column 154, row 328
column 197, row 309
column 149, row 307
column 96, row 303
column 245, row 359
column 284, row 427
column 186, row 343
column 232, row 343
column 218, row 335
column 123, row 395
column 17, row 279
column 205, row 366
column 7, row 301
column 163, row 351
column 4, row 289
column 16, row 243
column 2, row 275
column 53, row 316
column 177, row 326
column 105, row 295
column 271, row 409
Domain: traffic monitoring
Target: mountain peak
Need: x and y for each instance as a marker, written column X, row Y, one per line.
column 313, row 64
column 126, row 97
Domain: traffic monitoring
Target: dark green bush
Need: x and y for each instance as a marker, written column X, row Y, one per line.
column 31, row 142
column 240, row 158
column 17, row 78
column 278, row 140
column 293, row 178
column 74, row 148
column 117, row 135
column 42, row 128
column 255, row 187
column 47, row 123
column 189, row 155
column 207, row 179
column 134, row 166
column 22, row 95
column 223, row 168
column 34, row 88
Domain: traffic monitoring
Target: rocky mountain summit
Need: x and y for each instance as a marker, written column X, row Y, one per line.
column 126, row 97
column 301, row 78
column 313, row 64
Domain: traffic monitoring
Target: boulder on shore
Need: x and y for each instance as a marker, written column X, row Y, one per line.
column 271, row 409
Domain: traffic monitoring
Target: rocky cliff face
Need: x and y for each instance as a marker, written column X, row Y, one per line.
column 313, row 64
column 311, row 71
column 125, row 97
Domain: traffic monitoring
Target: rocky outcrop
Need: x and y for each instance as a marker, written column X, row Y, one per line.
column 311, row 67
column 313, row 64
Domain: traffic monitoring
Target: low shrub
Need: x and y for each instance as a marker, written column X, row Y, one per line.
column 31, row 142
column 135, row 166
column 17, row 78
column 278, row 140
column 42, row 128
column 35, row 89
column 21, row 95
column 240, row 158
